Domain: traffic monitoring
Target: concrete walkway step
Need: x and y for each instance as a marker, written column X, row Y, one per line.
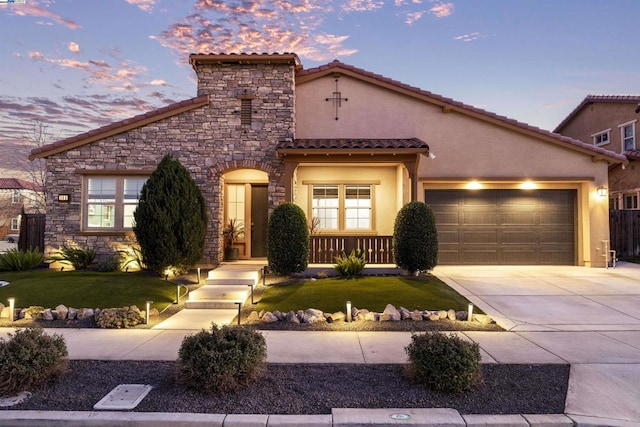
column 198, row 319
column 214, row 303
column 216, row 292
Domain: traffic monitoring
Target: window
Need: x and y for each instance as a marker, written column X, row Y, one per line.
column 342, row 206
column 613, row 203
column 628, row 135
column 15, row 196
column 601, row 138
column 236, row 205
column 15, row 224
column 111, row 201
column 631, row 201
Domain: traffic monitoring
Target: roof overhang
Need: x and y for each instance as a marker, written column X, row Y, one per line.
column 254, row 58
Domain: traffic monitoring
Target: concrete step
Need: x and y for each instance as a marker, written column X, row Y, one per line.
column 211, row 304
column 251, row 272
column 229, row 292
column 233, row 281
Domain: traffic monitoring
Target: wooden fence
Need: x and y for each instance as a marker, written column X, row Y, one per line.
column 31, row 232
column 624, row 230
column 324, row 249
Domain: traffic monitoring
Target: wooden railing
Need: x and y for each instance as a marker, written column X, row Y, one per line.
column 324, row 248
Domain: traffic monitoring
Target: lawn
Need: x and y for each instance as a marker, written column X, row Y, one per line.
column 370, row 292
column 90, row 289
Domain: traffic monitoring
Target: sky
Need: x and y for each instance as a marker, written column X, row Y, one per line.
column 75, row 65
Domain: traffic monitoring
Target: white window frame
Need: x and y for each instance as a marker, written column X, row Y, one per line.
column 16, row 197
column 117, row 211
column 15, row 224
column 342, row 207
column 633, row 197
column 602, row 138
column 632, row 125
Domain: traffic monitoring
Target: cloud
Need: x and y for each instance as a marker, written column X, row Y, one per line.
column 36, row 55
column 146, row 5
column 158, row 82
column 442, row 10
column 469, row 37
column 414, row 16
column 361, row 5
column 29, row 9
column 74, row 47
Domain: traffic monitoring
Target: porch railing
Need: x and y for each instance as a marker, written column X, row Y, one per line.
column 325, row 248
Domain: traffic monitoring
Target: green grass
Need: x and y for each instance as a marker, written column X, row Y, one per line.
column 90, row 289
column 373, row 293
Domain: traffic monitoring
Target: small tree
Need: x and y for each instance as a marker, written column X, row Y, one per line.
column 415, row 239
column 288, row 239
column 171, row 218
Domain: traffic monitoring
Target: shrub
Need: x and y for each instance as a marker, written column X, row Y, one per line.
column 171, row 218
column 34, row 311
column 119, row 318
column 132, row 258
column 287, row 239
column 415, row 239
column 78, row 258
column 16, row 260
column 443, row 362
column 350, row 265
column 29, row 359
column 222, row 359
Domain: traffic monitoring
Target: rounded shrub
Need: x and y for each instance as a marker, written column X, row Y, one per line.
column 288, row 239
column 443, row 362
column 222, row 359
column 415, row 238
column 119, row 318
column 29, row 358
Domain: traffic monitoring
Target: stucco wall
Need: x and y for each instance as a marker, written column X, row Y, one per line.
column 208, row 141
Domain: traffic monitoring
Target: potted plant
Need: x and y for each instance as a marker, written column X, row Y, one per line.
column 230, row 235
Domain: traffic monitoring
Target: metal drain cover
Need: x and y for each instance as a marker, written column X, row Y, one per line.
column 124, row 396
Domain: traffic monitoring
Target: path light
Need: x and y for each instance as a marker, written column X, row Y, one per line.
column 470, row 312
column 146, row 315
column 198, row 275
column 178, row 294
column 348, row 311
column 12, row 308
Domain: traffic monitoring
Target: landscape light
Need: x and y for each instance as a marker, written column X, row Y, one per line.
column 146, row 319
column 348, row 311
column 470, row 313
column 12, row 308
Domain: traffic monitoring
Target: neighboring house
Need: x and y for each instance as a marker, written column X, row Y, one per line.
column 611, row 122
column 17, row 195
column 350, row 148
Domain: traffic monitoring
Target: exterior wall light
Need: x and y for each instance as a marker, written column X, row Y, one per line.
column 602, row 191
column 473, row 185
column 528, row 185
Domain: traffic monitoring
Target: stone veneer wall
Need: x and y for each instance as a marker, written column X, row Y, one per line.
column 208, row 141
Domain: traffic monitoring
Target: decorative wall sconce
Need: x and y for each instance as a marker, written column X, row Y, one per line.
column 602, row 191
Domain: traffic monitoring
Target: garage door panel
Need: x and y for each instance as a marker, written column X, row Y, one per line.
column 504, row 226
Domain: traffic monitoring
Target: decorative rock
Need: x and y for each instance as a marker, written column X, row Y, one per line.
column 47, row 314
column 1, row 308
column 85, row 312
column 292, row 317
column 370, row 315
column 300, row 315
column 62, row 312
column 135, row 308
column 154, row 312
column 391, row 312
column 269, row 317
column 73, row 313
column 434, row 317
column 328, row 318
column 23, row 314
column 451, row 314
column 338, row 317
column 416, row 315
column 253, row 316
column 442, row 314
column 314, row 312
column 461, row 315
column 482, row 319
column 5, row 313
column 360, row 315
column 262, row 312
column 279, row 315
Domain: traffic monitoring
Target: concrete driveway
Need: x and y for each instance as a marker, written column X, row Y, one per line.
column 587, row 317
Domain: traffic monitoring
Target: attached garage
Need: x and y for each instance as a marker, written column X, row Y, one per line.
column 517, row 227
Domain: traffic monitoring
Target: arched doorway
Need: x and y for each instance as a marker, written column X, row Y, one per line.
column 246, row 202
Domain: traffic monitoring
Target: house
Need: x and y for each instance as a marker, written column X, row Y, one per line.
column 350, row 147
column 17, row 196
column 610, row 122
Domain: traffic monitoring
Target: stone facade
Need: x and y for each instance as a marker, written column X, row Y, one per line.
column 208, row 141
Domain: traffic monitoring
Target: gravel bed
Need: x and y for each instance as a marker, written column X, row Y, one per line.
column 308, row 389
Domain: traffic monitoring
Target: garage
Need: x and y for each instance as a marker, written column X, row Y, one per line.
column 516, row 227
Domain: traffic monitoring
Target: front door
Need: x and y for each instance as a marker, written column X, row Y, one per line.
column 259, row 219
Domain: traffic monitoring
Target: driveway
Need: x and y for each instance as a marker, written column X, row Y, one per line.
column 588, row 317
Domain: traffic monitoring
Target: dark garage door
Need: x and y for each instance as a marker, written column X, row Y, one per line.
column 504, row 226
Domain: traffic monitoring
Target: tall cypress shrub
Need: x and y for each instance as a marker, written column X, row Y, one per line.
column 288, row 239
column 171, row 218
column 415, row 239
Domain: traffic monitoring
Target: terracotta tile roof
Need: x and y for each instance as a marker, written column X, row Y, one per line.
column 632, row 154
column 18, row 184
column 590, row 99
column 119, row 127
column 353, row 144
column 449, row 104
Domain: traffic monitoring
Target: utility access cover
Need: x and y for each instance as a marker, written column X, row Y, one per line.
column 124, row 396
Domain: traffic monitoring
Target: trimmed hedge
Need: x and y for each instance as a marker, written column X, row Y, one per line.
column 288, row 239
column 415, row 238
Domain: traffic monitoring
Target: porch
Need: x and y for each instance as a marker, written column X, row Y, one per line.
column 324, row 248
